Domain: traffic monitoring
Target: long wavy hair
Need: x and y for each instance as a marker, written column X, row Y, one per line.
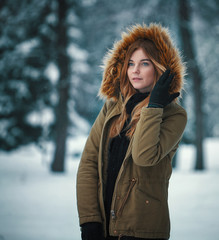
column 127, row 89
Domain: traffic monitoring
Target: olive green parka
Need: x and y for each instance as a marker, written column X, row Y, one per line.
column 140, row 198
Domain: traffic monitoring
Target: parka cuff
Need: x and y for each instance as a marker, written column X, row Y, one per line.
column 150, row 110
column 87, row 219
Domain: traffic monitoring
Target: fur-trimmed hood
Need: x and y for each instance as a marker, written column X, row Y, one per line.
column 114, row 59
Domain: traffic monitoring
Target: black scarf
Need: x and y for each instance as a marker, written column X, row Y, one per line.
column 134, row 100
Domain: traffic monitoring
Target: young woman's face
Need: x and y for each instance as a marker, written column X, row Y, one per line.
column 141, row 72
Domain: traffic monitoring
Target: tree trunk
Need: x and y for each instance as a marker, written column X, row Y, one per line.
column 63, row 90
column 196, row 76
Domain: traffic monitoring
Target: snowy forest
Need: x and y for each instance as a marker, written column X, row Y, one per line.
column 50, row 73
column 51, row 53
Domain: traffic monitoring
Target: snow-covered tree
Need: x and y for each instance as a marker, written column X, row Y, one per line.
column 71, row 62
column 24, row 87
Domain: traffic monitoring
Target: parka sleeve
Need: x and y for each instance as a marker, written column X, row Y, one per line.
column 87, row 176
column 156, row 135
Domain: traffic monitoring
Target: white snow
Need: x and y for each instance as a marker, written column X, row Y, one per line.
column 52, row 72
column 76, row 53
column 36, row 204
column 25, row 47
column 42, row 117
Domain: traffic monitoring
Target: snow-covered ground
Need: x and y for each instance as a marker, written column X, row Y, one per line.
column 35, row 204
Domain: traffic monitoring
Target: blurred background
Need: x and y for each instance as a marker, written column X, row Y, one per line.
column 51, row 52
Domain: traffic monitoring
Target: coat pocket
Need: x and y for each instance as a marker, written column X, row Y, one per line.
column 148, row 206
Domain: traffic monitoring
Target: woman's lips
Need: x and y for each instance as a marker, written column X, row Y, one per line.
column 136, row 79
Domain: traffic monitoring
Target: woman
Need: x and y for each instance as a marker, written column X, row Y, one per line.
column 123, row 176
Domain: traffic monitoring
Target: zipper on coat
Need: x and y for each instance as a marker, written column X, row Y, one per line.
column 120, row 209
column 113, row 214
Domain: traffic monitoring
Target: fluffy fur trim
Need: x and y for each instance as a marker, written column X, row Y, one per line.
column 114, row 59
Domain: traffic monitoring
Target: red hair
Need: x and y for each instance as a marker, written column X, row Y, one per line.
column 127, row 89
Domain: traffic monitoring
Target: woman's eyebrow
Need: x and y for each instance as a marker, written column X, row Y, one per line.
column 146, row 59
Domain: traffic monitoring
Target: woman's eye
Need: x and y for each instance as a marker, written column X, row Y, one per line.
column 145, row 64
column 130, row 64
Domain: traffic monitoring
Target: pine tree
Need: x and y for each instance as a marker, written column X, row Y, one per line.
column 69, row 60
column 24, row 88
column 195, row 73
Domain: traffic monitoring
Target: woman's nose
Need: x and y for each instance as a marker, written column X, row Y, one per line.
column 136, row 69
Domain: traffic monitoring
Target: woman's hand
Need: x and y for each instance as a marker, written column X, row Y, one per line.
column 160, row 96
